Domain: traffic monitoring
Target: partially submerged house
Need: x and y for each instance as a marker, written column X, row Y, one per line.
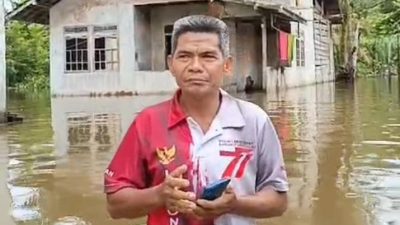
column 114, row 46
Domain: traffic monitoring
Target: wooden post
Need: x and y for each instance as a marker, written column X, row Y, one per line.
column 389, row 58
column 398, row 57
column 264, row 51
column 398, row 66
column 2, row 63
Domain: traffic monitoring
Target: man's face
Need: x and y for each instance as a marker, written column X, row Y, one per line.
column 198, row 64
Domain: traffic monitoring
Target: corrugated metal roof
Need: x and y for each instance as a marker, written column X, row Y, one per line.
column 37, row 11
column 268, row 7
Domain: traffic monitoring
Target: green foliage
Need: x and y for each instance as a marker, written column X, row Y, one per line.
column 383, row 42
column 390, row 19
column 379, row 48
column 27, row 56
column 380, row 55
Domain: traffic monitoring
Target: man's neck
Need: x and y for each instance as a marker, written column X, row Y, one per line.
column 202, row 110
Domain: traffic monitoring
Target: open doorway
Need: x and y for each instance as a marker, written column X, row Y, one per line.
column 249, row 54
column 168, row 42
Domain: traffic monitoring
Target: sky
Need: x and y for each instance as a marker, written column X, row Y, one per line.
column 7, row 5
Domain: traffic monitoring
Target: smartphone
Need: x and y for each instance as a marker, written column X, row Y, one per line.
column 215, row 190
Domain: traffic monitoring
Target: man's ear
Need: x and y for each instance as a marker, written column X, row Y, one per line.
column 228, row 66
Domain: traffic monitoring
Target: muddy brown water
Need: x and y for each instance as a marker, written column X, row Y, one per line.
column 341, row 146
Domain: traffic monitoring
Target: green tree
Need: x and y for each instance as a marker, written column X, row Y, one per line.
column 27, row 56
column 376, row 40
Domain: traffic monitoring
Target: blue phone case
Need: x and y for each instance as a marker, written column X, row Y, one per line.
column 215, row 190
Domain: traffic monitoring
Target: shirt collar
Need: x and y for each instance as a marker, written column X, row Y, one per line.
column 229, row 114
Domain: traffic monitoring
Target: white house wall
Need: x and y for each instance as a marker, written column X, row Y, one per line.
column 296, row 75
column 246, row 59
column 142, row 25
column 162, row 16
column 2, row 64
column 299, row 76
column 127, row 78
column 142, row 67
column 76, row 12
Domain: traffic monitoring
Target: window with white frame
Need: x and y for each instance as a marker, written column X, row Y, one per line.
column 76, row 49
column 300, row 50
column 91, row 48
column 105, row 48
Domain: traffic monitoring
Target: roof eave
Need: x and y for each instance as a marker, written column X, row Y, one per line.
column 271, row 8
column 31, row 11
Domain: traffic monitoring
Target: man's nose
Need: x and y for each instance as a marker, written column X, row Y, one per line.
column 195, row 65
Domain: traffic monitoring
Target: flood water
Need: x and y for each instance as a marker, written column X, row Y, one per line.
column 341, row 146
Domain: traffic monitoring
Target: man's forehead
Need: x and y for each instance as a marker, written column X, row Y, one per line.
column 197, row 48
column 198, row 42
column 192, row 38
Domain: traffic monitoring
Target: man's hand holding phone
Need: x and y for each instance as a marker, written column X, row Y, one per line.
column 216, row 200
column 175, row 199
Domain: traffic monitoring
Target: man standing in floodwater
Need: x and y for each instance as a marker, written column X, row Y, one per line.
column 174, row 149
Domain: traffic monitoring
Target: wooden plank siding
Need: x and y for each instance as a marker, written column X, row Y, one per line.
column 321, row 44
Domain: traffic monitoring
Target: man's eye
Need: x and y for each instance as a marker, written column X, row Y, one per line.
column 209, row 56
column 183, row 56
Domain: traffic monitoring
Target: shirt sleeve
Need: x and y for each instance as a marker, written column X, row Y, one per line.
column 271, row 168
column 127, row 167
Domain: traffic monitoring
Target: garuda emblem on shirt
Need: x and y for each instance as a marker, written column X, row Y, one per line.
column 166, row 155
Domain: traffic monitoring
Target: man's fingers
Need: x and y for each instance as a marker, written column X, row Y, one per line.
column 186, row 205
column 209, row 205
column 183, row 206
column 182, row 195
column 179, row 171
column 177, row 182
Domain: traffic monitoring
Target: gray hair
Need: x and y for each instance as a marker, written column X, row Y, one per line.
column 200, row 24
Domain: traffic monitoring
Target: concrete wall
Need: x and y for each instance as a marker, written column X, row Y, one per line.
column 296, row 76
column 162, row 16
column 230, row 81
column 299, row 76
column 134, row 54
column 247, row 58
column 142, row 43
column 2, row 64
column 92, row 12
column 142, row 24
column 162, row 82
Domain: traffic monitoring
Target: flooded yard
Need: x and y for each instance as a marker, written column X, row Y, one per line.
column 341, row 146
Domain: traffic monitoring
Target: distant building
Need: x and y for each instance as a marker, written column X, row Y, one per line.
column 120, row 46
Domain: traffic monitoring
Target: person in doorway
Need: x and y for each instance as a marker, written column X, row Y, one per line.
column 172, row 150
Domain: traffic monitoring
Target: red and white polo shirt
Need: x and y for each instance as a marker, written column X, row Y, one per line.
column 241, row 143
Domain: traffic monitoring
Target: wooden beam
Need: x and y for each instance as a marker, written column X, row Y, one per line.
column 155, row 2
